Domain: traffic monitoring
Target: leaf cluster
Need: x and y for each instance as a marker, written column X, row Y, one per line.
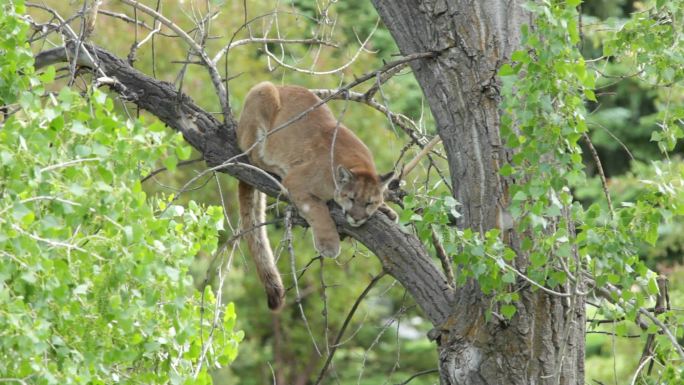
column 94, row 284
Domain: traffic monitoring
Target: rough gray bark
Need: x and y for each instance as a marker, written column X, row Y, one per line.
column 544, row 343
column 402, row 255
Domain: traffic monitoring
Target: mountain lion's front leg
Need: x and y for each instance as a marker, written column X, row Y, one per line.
column 316, row 213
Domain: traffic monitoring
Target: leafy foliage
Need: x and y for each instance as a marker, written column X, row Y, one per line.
column 94, row 284
column 547, row 120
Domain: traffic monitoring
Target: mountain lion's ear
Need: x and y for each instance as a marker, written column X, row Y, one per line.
column 385, row 179
column 343, row 175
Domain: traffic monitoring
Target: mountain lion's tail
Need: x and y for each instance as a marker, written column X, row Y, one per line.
column 253, row 214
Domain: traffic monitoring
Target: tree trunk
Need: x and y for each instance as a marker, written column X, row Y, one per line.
column 544, row 342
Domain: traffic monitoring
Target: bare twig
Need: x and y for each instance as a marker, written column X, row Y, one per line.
column 502, row 263
column 345, row 324
column 218, row 311
column 324, row 311
column 377, row 339
column 405, row 123
column 88, row 60
column 128, row 19
column 422, row 373
column 382, row 79
column 287, row 238
column 329, row 72
column 52, row 242
column 666, row 330
column 198, row 50
column 40, row 198
column 268, row 40
column 640, row 368
column 602, row 175
column 69, row 163
column 426, row 149
column 153, row 46
column 443, row 258
column 134, row 48
column 180, row 164
column 614, row 334
column 17, row 380
column 231, row 162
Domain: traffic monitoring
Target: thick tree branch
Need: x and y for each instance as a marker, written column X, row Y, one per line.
column 402, row 255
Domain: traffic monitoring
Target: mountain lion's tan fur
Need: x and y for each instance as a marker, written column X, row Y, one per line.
column 300, row 154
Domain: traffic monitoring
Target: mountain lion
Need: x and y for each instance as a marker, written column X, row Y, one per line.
column 300, row 154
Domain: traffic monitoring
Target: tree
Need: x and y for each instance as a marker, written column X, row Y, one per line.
column 545, row 339
column 507, row 86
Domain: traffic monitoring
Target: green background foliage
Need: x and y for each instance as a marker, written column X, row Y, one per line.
column 93, row 281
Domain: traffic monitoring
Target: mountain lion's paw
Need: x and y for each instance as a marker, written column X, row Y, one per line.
column 328, row 246
column 391, row 214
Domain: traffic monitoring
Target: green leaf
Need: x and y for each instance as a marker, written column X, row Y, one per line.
column 520, row 56
column 573, row 31
column 506, row 170
column 508, row 277
column 48, row 75
column 508, row 311
column 653, row 286
column 519, row 196
column 79, row 128
column 589, row 94
column 538, row 259
column 170, row 163
column 506, row 70
column 183, row 152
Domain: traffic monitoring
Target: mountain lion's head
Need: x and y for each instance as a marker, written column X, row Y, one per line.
column 359, row 193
